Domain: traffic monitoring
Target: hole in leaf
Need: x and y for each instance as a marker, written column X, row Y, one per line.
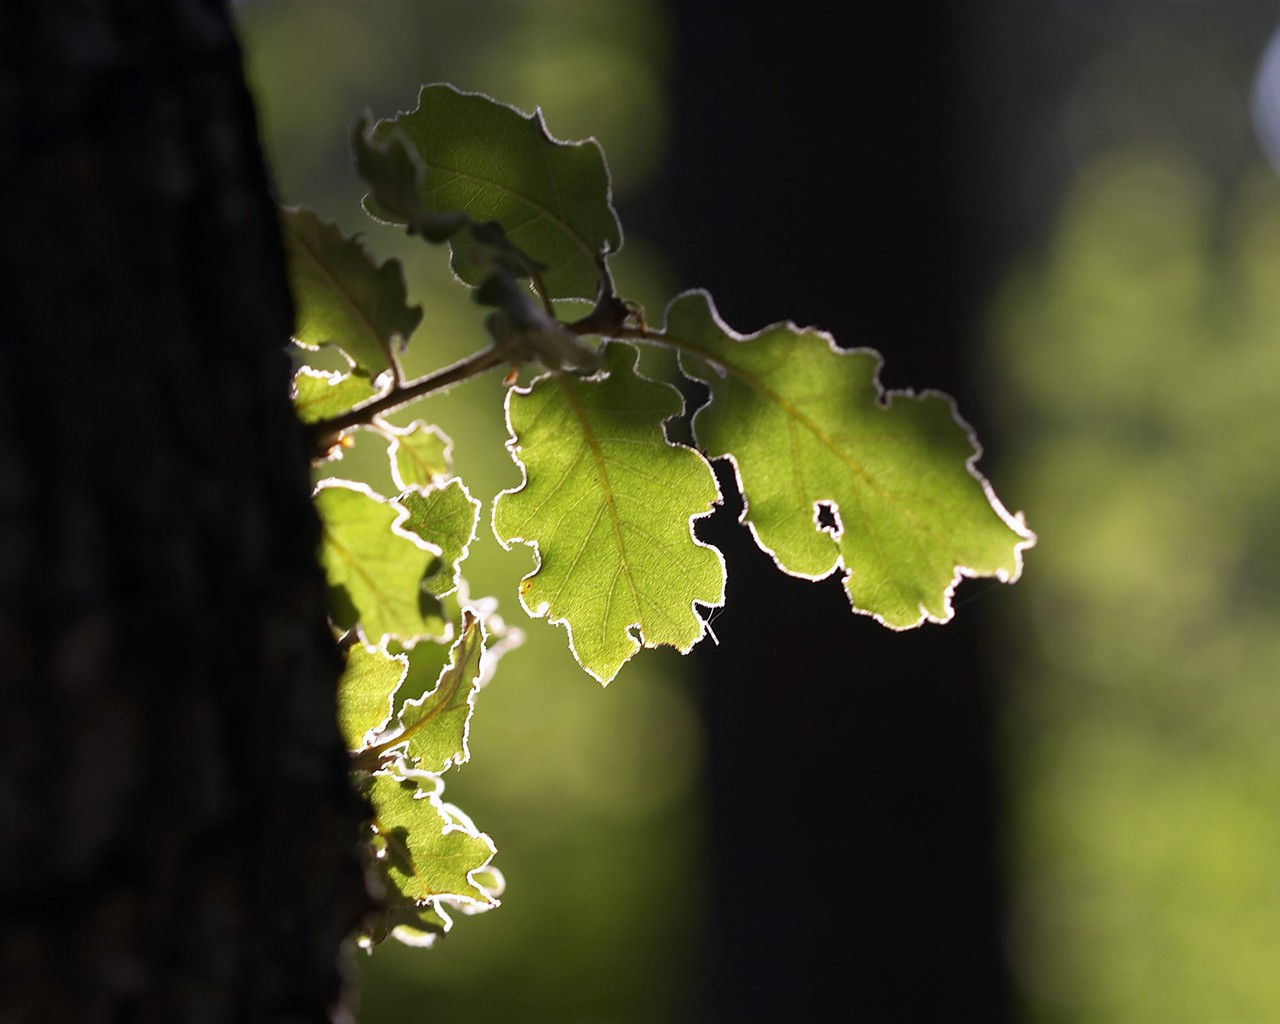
column 826, row 517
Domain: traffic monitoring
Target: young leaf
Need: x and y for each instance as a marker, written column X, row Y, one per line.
column 411, row 925
column 393, row 171
column 419, row 454
column 551, row 198
column 430, row 851
column 415, row 926
column 370, row 677
column 813, row 438
column 322, row 395
column 435, row 726
column 428, row 660
column 343, row 297
column 367, row 554
column 608, row 505
column 447, row 518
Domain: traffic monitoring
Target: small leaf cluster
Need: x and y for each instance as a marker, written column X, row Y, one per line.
column 835, row 474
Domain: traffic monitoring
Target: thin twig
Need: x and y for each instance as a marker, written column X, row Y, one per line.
column 326, row 433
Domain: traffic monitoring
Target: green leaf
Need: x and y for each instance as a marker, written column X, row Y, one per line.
column 421, row 924
column 393, row 171
column 419, row 454
column 427, row 660
column 608, row 505
column 435, row 726
column 416, row 926
column 366, row 553
column 813, row 438
column 369, row 679
column 322, row 395
column 445, row 517
column 343, row 297
column 430, row 847
column 551, row 198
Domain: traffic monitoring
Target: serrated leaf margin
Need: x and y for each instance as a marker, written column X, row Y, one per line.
column 613, row 243
column 1015, row 521
column 509, row 543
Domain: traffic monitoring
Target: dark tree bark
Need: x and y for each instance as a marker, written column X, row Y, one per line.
column 178, row 838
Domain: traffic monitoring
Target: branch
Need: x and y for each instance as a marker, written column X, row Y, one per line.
column 324, row 434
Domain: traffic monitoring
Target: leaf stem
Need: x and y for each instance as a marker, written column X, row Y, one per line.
column 325, row 434
column 605, row 320
column 643, row 333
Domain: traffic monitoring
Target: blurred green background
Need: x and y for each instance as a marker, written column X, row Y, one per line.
column 1131, row 361
column 1138, row 347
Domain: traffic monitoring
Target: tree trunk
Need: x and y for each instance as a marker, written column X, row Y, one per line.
column 178, row 837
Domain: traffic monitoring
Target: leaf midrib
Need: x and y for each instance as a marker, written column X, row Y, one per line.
column 602, row 473
column 454, row 671
column 354, row 564
column 568, row 229
column 343, row 293
column 855, row 469
column 794, row 413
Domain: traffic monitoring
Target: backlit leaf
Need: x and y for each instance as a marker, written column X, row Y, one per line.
column 430, row 848
column 551, row 198
column 369, row 679
column 343, row 297
column 322, row 395
column 445, row 517
column 418, row 926
column 435, row 726
column 427, row 660
column 419, row 454
column 838, row 473
column 367, row 555
column 393, row 171
column 608, row 505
